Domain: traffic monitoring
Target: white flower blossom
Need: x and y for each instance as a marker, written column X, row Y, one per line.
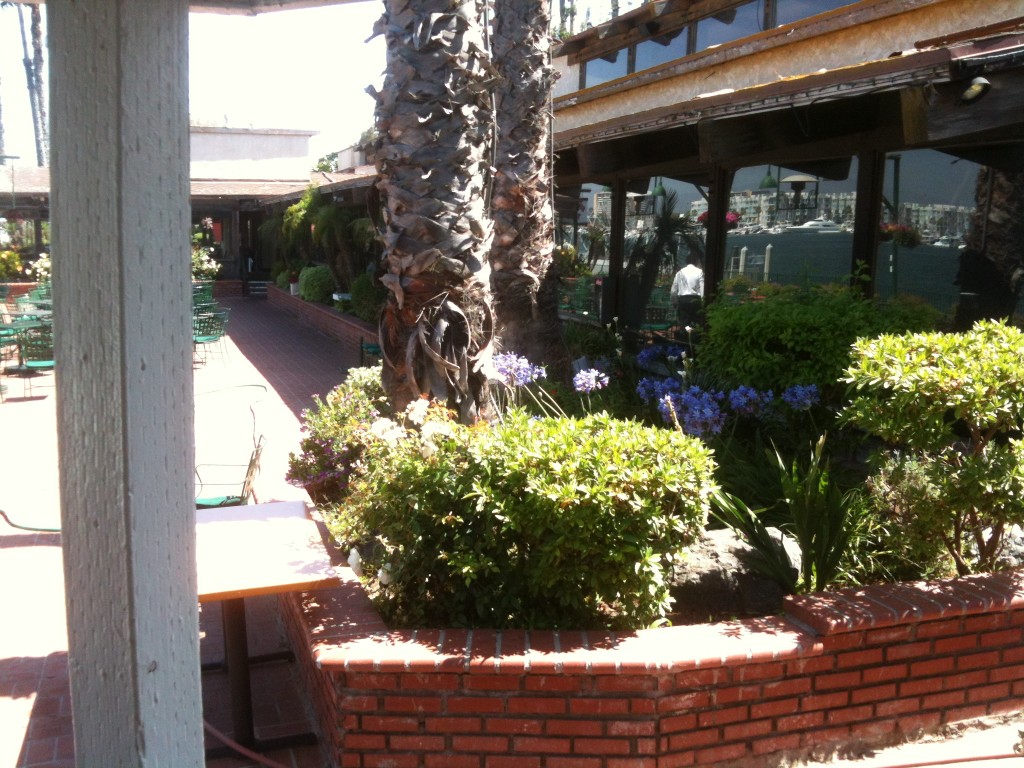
column 387, row 430
column 417, row 410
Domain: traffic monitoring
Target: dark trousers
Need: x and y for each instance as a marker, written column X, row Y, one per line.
column 688, row 309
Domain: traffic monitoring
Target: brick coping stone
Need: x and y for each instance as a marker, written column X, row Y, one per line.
column 346, row 633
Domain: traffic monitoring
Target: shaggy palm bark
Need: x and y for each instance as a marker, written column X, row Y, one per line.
column 435, row 121
column 992, row 263
column 525, row 289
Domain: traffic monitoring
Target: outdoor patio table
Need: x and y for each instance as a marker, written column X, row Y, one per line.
column 258, row 549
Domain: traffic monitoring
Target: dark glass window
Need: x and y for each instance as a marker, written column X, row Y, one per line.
column 661, row 49
column 726, row 26
column 608, row 67
column 794, row 10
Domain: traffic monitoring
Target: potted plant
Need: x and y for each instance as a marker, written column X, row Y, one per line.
column 293, row 282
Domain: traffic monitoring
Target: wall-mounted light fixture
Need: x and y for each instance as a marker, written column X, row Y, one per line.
column 978, row 87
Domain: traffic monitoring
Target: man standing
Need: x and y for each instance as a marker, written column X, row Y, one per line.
column 688, row 292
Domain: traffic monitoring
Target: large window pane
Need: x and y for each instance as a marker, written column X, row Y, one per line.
column 794, row 10
column 724, row 27
column 607, row 68
column 662, row 49
column 767, row 243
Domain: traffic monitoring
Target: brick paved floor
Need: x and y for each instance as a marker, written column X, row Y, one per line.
column 267, row 348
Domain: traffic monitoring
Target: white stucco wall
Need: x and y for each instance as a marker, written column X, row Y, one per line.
column 249, row 153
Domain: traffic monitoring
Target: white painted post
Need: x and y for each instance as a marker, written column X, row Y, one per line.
column 120, row 205
column 767, row 260
column 743, row 259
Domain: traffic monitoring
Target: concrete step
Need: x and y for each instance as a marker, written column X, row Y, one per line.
column 257, row 289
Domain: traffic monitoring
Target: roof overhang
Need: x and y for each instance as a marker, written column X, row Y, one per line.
column 816, row 122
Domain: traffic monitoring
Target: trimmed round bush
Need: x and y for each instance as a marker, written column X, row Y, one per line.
column 368, row 297
column 542, row 523
column 316, row 284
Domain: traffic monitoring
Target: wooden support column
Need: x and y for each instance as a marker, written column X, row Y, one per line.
column 868, row 217
column 714, row 245
column 611, row 295
column 119, row 96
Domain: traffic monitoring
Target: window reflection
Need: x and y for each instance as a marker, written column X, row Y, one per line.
column 742, row 21
column 794, row 10
column 661, row 49
column 608, row 67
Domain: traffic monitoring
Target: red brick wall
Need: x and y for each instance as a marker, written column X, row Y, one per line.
column 347, row 329
column 227, row 288
column 869, row 666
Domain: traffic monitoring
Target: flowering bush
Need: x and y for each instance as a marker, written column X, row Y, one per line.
column 204, row 266
column 901, row 234
column 522, row 523
column 336, row 431
column 41, row 268
column 732, row 219
column 10, row 265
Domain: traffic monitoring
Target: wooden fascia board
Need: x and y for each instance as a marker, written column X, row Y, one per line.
column 876, row 76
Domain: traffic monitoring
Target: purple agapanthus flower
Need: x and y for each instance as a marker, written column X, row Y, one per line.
column 657, row 353
column 652, row 390
column 516, row 371
column 801, row 397
column 588, row 380
column 747, row 401
column 698, row 411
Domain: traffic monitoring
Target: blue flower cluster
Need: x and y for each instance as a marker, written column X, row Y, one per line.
column 801, row 397
column 653, row 390
column 700, row 412
column 517, row 371
column 589, row 380
column 658, row 353
column 747, row 401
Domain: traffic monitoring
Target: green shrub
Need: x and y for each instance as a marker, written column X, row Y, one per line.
column 551, row 522
column 954, row 404
column 798, row 335
column 316, row 284
column 904, row 545
column 284, row 278
column 10, row 265
column 335, row 434
column 368, row 297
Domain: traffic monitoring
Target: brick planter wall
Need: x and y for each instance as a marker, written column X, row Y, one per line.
column 347, row 329
column 227, row 288
column 870, row 666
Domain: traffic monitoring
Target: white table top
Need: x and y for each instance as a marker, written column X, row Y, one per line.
column 259, row 549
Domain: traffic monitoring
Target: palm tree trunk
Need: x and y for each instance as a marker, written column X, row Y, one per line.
column 33, row 90
column 525, row 289
column 43, row 139
column 435, row 121
column 992, row 263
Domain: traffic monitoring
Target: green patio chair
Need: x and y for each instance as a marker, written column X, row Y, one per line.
column 208, row 329
column 211, row 477
column 36, row 352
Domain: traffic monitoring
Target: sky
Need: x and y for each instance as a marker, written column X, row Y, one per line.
column 302, row 69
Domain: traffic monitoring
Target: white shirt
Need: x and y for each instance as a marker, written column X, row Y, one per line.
column 689, row 281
